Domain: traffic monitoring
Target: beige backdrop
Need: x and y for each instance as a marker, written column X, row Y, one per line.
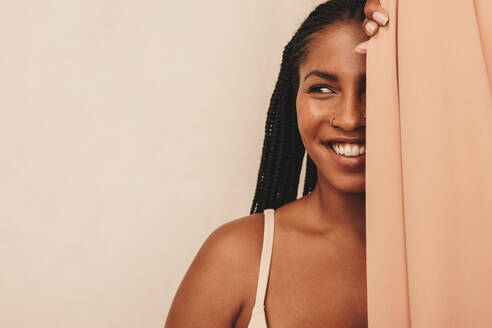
column 129, row 130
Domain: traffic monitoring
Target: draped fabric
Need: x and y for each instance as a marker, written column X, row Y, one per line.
column 429, row 166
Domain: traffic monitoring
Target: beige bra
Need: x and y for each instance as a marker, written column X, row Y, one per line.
column 258, row 318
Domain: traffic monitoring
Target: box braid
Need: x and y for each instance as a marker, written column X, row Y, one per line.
column 283, row 150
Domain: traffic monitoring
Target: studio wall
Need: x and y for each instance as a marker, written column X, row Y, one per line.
column 129, row 131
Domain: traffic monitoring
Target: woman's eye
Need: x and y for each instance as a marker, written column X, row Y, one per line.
column 320, row 89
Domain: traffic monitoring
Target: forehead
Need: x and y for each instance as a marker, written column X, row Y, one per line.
column 331, row 50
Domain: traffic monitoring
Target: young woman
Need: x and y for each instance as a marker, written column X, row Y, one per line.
column 298, row 263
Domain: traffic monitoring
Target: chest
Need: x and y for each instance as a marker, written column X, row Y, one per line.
column 317, row 286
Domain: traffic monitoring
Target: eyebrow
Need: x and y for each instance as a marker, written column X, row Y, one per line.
column 323, row 75
column 330, row 76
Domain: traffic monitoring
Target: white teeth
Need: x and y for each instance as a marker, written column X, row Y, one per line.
column 348, row 149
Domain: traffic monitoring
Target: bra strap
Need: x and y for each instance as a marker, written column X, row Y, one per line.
column 266, row 257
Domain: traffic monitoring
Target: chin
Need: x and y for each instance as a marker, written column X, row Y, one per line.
column 350, row 183
column 350, row 187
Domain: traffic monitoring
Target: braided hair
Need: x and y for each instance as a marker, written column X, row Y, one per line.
column 283, row 150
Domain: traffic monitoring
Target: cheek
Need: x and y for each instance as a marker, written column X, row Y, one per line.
column 309, row 119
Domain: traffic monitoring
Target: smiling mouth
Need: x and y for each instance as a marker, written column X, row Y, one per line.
column 350, row 156
column 347, row 149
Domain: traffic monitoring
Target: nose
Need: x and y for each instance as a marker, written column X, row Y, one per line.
column 350, row 114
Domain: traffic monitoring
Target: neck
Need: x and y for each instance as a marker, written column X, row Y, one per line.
column 339, row 211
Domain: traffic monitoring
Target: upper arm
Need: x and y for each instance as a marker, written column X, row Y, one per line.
column 213, row 290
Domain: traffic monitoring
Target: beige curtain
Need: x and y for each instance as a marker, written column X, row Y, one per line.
column 429, row 166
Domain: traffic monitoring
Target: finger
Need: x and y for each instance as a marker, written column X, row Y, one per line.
column 373, row 10
column 370, row 27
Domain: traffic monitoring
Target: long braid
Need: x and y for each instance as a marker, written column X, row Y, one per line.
column 283, row 150
column 311, row 176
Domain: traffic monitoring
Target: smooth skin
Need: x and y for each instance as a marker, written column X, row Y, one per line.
column 318, row 274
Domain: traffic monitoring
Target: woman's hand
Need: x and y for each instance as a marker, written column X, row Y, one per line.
column 375, row 16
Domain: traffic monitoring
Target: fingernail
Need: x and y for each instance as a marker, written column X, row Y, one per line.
column 371, row 27
column 380, row 18
column 361, row 48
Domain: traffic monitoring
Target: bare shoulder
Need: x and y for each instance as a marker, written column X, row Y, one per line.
column 222, row 276
column 234, row 248
column 237, row 237
column 234, row 245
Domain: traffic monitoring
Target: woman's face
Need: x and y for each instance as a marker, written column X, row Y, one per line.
column 332, row 86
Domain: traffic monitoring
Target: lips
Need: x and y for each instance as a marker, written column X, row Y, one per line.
column 345, row 140
column 346, row 162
